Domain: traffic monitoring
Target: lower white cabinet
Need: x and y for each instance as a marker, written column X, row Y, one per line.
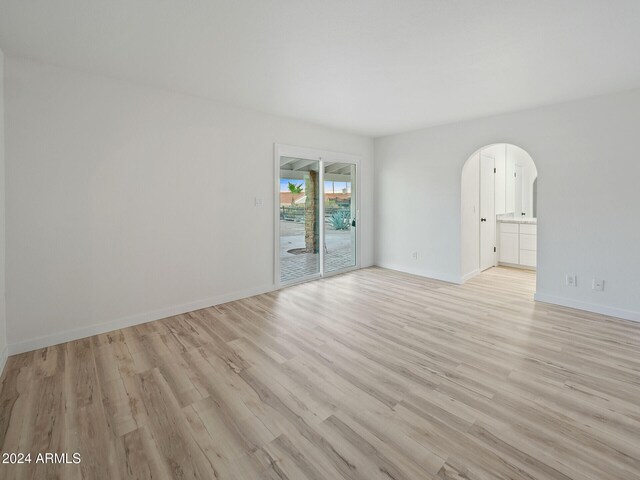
column 517, row 244
column 527, row 242
column 508, row 248
column 527, row 258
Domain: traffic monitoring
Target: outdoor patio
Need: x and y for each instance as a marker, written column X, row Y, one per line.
column 338, row 253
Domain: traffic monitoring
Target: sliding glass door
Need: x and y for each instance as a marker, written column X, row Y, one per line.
column 340, row 216
column 299, row 220
column 316, row 220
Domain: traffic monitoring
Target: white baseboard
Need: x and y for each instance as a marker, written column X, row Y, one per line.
column 516, row 265
column 88, row 331
column 469, row 275
column 588, row 307
column 444, row 277
column 3, row 358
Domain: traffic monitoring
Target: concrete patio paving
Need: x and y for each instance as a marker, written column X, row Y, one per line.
column 338, row 253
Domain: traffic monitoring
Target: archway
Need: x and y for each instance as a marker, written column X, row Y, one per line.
column 498, row 209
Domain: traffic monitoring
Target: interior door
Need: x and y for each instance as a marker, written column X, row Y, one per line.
column 510, row 192
column 340, row 216
column 487, row 212
column 519, row 208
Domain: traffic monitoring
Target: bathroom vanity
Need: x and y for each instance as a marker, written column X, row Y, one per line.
column 517, row 240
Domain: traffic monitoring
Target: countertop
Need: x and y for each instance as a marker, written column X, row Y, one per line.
column 514, row 219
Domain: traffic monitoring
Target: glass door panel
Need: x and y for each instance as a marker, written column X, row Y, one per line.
column 299, row 219
column 339, row 216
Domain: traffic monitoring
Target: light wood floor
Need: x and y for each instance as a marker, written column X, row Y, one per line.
column 369, row 375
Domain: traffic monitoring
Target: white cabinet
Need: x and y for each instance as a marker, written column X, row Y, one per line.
column 527, row 242
column 508, row 248
column 527, row 258
column 528, row 228
column 517, row 244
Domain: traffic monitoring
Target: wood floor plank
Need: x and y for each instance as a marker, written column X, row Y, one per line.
column 371, row 374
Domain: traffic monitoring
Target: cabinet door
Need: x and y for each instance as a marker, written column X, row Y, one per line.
column 508, row 248
column 528, row 258
column 518, row 192
column 527, row 242
column 528, row 229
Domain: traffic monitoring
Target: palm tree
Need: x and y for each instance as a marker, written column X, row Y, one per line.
column 295, row 190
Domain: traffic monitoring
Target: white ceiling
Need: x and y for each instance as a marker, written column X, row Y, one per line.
column 370, row 66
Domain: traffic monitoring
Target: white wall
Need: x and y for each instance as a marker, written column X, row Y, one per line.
column 127, row 204
column 588, row 175
column 3, row 313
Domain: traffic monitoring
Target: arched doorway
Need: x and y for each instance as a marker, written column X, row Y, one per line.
column 498, row 209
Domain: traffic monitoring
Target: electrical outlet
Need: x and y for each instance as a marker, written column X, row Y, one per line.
column 414, row 255
column 598, row 285
column 258, row 202
column 571, row 280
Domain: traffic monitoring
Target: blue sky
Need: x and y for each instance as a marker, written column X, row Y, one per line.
column 328, row 186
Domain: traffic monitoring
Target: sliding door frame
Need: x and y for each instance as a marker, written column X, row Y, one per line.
column 321, row 156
